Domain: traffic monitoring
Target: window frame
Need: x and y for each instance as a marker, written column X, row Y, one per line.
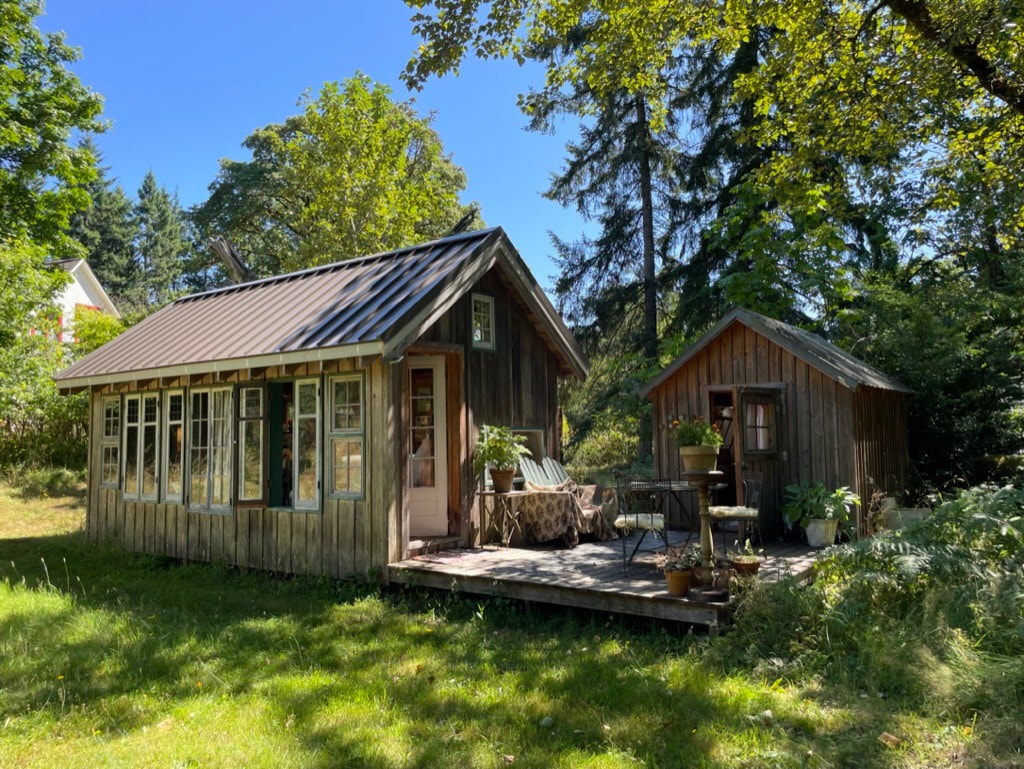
column 480, row 344
column 309, row 506
column 263, row 419
column 754, row 398
column 166, row 424
column 206, row 506
column 347, row 434
column 140, row 446
column 110, row 441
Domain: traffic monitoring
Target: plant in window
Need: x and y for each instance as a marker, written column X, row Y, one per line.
column 499, row 449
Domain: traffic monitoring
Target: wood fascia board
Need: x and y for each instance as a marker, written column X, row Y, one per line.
column 226, row 365
column 89, row 276
column 446, row 296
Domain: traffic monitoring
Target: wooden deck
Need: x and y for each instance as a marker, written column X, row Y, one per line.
column 590, row 576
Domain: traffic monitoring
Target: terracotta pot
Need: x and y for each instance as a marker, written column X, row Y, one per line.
column 678, row 581
column 502, row 480
column 821, row 532
column 699, row 458
column 746, row 567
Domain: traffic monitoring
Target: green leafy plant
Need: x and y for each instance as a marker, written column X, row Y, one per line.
column 498, row 448
column 809, row 501
column 696, row 432
column 747, row 554
column 678, row 559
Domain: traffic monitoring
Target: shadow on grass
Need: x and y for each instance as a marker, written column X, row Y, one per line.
column 359, row 677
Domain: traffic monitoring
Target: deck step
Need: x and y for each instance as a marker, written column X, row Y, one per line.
column 425, row 545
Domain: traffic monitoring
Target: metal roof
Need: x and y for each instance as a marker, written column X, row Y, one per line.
column 811, row 349
column 371, row 305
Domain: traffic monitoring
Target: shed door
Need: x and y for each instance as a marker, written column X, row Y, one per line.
column 759, row 442
column 427, row 448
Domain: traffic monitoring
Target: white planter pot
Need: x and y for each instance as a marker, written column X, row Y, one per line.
column 821, row 533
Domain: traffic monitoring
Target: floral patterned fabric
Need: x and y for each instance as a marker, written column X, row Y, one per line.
column 585, row 509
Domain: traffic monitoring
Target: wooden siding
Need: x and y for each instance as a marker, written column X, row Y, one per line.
column 825, row 431
column 346, row 537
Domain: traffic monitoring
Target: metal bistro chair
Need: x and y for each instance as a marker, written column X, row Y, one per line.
column 746, row 514
column 640, row 509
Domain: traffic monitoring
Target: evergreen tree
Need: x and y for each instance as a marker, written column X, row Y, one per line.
column 160, row 240
column 107, row 232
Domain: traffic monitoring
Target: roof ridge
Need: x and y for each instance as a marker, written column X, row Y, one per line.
column 338, row 265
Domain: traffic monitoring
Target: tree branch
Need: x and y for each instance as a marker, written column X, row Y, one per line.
column 916, row 12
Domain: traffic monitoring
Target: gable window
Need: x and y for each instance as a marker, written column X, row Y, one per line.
column 483, row 322
column 110, row 442
column 347, row 436
column 252, row 412
column 140, row 445
column 210, row 449
column 174, row 446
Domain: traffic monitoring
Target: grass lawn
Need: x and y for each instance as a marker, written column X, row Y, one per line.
column 108, row 659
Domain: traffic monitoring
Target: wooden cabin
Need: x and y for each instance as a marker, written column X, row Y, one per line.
column 790, row 405
column 322, row 422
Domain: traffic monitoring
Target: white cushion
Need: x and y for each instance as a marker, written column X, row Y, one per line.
column 649, row 521
column 733, row 512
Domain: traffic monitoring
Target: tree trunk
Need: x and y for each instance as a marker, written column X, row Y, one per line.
column 649, row 340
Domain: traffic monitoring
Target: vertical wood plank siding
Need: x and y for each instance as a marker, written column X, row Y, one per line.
column 516, row 384
column 826, row 431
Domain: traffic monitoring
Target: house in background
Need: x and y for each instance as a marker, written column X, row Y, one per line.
column 323, row 421
column 84, row 291
column 792, row 407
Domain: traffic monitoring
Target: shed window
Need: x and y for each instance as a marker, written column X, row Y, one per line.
column 210, row 449
column 252, row 413
column 483, row 322
column 347, row 437
column 174, row 446
column 293, row 413
column 759, row 430
column 140, row 445
column 110, row 442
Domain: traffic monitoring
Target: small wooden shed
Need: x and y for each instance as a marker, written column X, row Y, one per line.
column 323, row 421
column 791, row 406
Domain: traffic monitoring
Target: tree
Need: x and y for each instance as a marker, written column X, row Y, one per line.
column 107, row 229
column 41, row 105
column 160, row 240
column 354, row 174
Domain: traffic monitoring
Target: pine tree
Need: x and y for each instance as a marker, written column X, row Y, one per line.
column 107, row 231
column 160, row 240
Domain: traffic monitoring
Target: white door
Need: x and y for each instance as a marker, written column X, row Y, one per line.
column 427, row 448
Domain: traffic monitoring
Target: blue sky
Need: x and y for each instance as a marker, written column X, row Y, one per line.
column 185, row 81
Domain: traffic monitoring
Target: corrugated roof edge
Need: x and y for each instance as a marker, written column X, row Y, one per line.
column 343, row 264
column 764, row 326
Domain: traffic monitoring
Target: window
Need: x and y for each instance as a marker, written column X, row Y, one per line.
column 110, row 442
column 534, row 441
column 140, row 445
column 759, row 428
column 210, row 449
column 483, row 322
column 174, row 446
column 251, row 420
column 293, row 414
column 346, row 439
column 307, row 445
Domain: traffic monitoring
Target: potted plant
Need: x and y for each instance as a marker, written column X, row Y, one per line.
column 746, row 561
column 677, row 563
column 818, row 510
column 698, row 443
column 499, row 449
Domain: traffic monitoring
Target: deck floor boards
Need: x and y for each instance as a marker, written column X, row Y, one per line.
column 589, row 576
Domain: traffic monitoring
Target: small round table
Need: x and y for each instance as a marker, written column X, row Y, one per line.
column 703, row 479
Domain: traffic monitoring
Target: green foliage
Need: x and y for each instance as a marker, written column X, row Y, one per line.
column 159, row 241
column 354, row 174
column 93, row 329
column 42, row 104
column 609, row 444
column 498, row 448
column 809, row 501
column 696, row 432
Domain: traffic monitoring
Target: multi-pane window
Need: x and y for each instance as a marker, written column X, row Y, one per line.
column 307, row 445
column 347, row 430
column 759, row 427
column 110, row 442
column 174, row 446
column 141, row 422
column 251, row 420
column 210, row 449
column 483, row 322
